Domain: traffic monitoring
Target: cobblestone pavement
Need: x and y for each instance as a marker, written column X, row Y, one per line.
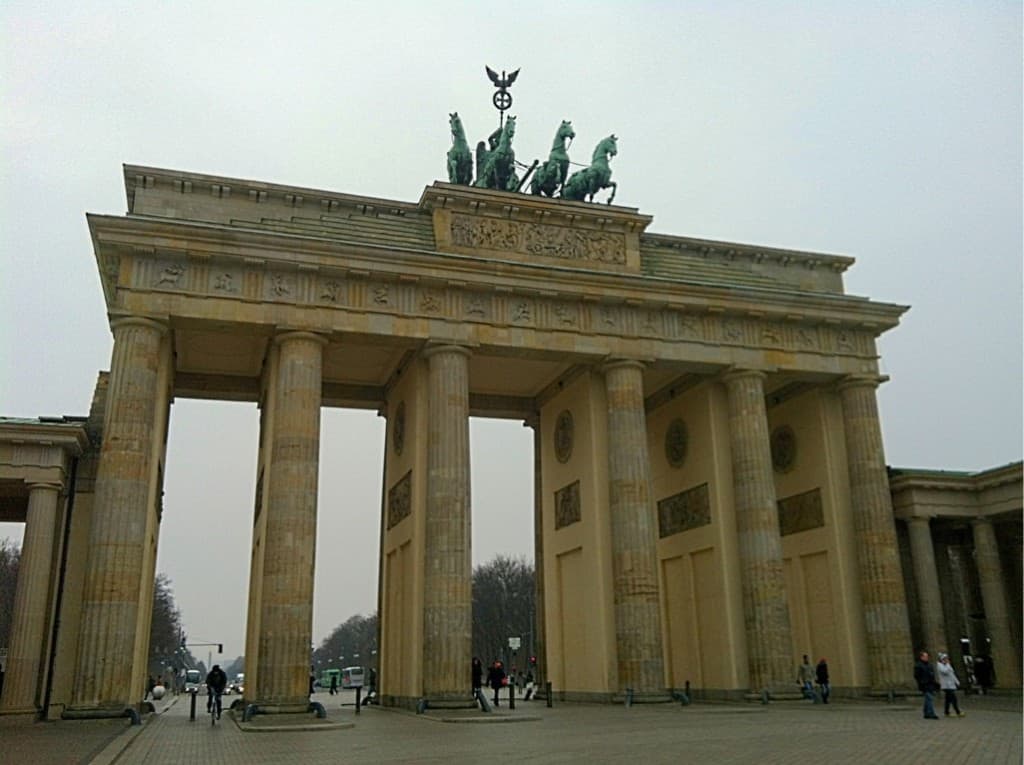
column 842, row 732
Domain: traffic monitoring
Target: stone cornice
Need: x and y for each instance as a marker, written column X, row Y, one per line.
column 259, row 192
column 901, row 479
column 69, row 436
column 114, row 236
column 751, row 252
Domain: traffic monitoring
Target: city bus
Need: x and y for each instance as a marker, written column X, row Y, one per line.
column 352, row 677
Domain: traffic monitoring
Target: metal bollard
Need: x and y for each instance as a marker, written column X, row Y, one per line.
column 547, row 692
column 512, row 693
column 629, row 698
column 192, row 709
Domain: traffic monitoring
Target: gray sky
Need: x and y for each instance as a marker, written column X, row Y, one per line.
column 886, row 131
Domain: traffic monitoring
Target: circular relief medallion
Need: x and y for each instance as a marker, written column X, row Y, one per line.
column 398, row 429
column 783, row 442
column 677, row 438
column 563, row 436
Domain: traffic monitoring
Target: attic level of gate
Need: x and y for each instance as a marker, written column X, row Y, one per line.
column 534, row 287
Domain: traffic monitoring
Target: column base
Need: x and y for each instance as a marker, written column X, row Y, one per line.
column 98, row 712
column 642, row 697
column 279, row 707
column 19, row 712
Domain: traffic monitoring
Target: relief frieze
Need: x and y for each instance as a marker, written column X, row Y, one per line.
column 686, row 510
column 225, row 282
column 169, row 276
column 400, row 500
column 536, row 239
column 567, row 505
column 331, row 291
column 801, row 512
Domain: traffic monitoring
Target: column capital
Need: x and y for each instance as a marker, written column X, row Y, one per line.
column 619, row 363
column 981, row 520
column 285, row 335
column 119, row 322
column 55, row 485
column 860, row 381
column 434, row 349
column 737, row 373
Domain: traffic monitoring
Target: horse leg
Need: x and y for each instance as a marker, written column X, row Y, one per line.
column 615, row 187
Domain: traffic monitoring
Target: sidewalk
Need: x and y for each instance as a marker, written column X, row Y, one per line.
column 842, row 732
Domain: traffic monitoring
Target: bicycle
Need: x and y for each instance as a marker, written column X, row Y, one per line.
column 214, row 704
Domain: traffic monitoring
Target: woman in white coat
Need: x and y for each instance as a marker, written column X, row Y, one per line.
column 948, row 683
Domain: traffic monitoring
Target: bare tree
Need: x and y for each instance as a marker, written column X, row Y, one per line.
column 351, row 644
column 10, row 557
column 504, row 606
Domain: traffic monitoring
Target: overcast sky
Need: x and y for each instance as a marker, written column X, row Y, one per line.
column 890, row 132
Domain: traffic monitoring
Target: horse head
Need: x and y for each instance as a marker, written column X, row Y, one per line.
column 609, row 147
column 456, row 125
column 565, row 131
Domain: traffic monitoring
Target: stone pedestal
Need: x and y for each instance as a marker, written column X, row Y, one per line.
column 1005, row 658
column 881, row 580
column 447, row 565
column 28, row 622
column 765, row 608
column 926, row 577
column 633, row 535
column 112, row 596
column 286, row 606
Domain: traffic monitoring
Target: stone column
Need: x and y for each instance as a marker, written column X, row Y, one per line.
column 881, row 579
column 633, row 534
column 926, row 577
column 447, row 578
column 112, row 594
column 765, row 608
column 1005, row 657
column 289, row 552
column 31, row 601
column 539, row 647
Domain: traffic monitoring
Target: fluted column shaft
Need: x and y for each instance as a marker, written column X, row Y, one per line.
column 286, row 608
column 117, row 539
column 633, row 534
column 31, row 597
column 765, row 608
column 881, row 579
column 1005, row 658
column 447, row 587
column 926, row 577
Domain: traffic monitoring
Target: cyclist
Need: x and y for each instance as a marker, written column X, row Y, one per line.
column 216, row 682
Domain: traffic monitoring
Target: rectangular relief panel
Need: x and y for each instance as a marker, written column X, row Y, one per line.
column 801, row 512
column 400, row 500
column 686, row 510
column 567, row 505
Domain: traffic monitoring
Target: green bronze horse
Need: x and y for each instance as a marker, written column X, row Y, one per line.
column 460, row 159
column 551, row 175
column 496, row 169
column 583, row 184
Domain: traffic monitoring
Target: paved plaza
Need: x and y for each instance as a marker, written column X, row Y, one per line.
column 842, row 732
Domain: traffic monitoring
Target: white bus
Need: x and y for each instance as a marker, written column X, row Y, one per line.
column 352, row 677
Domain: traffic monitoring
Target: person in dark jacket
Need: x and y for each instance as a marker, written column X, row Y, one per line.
column 477, row 674
column 496, row 679
column 821, row 675
column 924, row 675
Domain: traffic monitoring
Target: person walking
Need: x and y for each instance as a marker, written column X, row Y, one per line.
column 496, row 679
column 805, row 678
column 477, row 674
column 821, row 674
column 334, row 684
column 948, row 682
column 924, row 675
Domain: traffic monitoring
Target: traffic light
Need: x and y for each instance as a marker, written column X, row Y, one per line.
column 220, row 648
column 533, row 661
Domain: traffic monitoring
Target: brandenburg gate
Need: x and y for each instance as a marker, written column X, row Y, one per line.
column 711, row 491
